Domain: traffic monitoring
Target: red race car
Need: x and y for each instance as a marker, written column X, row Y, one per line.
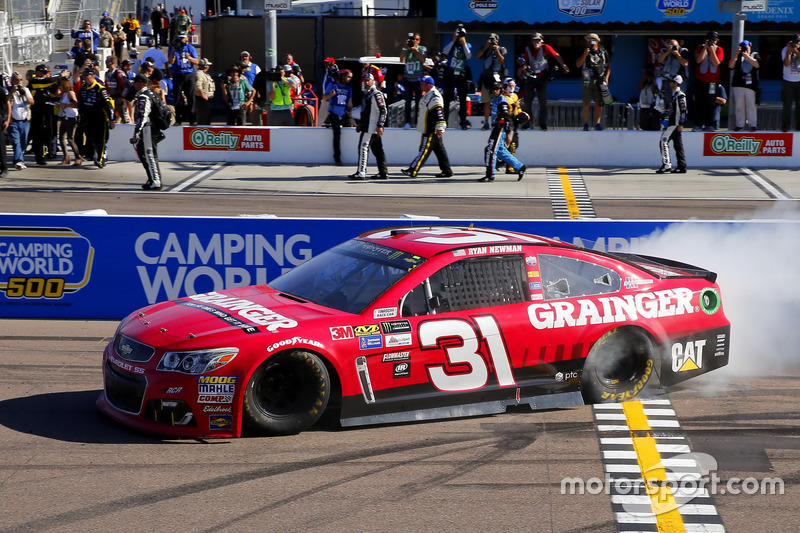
column 412, row 323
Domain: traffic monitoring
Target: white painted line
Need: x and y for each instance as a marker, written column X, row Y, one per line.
column 203, row 174
column 772, row 190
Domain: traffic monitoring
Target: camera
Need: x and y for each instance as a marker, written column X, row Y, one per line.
column 743, row 48
column 460, row 31
column 274, row 74
column 493, row 41
column 674, row 47
column 792, row 44
column 709, row 42
column 333, row 70
column 410, row 41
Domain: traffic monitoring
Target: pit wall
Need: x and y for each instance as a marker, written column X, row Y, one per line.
column 105, row 267
column 610, row 148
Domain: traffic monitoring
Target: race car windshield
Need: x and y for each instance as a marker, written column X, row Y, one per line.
column 348, row 277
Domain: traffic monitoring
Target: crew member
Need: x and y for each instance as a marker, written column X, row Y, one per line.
column 143, row 134
column 96, row 112
column 502, row 125
column 431, row 123
column 373, row 118
column 676, row 106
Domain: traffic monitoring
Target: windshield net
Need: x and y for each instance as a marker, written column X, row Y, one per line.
column 348, row 277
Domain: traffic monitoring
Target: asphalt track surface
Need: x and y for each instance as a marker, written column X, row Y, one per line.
column 64, row 467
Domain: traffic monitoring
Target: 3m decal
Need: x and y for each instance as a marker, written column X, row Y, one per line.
column 465, row 368
column 687, row 356
column 340, row 333
column 48, row 263
column 611, row 309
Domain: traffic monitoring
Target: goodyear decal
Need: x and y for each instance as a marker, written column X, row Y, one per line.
column 43, row 263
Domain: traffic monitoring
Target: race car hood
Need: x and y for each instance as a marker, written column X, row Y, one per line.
column 199, row 318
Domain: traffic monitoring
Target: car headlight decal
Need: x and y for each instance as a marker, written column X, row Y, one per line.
column 197, row 362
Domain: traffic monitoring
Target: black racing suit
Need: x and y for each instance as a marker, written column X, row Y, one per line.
column 95, row 112
column 431, row 119
column 677, row 117
column 143, row 138
column 42, row 116
column 373, row 116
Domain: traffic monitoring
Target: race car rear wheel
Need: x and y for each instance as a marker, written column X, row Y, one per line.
column 618, row 366
column 287, row 394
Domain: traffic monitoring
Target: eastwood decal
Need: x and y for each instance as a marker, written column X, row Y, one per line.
column 483, row 8
column 581, row 8
column 227, row 139
column 747, row 144
column 611, row 309
column 675, row 8
column 40, row 263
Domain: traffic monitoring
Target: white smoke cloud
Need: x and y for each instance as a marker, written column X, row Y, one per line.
column 758, row 268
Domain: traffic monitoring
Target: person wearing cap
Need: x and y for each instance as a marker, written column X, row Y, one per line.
column 375, row 71
column 84, row 57
column 133, row 59
column 130, row 25
column 709, row 57
column 373, row 119
column 87, row 32
column 328, row 80
column 106, row 39
column 432, row 125
column 279, row 94
column 340, row 110
column 673, row 126
column 144, row 133
column 458, row 52
column 182, row 58
column 494, row 71
column 288, row 59
column 502, row 126
column 205, row 92
column 249, row 69
column 413, row 58
column 595, row 66
column 518, row 118
column 43, row 89
column 5, row 121
column 96, row 112
column 106, row 23
column 790, row 93
column 119, row 41
column 157, row 55
column 745, row 64
column 238, row 96
column 19, row 127
column 535, row 72
column 182, row 22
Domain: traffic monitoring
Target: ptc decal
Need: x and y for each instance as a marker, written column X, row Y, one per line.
column 38, row 263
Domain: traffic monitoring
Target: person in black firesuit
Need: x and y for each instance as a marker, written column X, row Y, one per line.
column 431, row 124
column 43, row 89
column 673, row 124
column 96, row 112
column 502, row 126
column 373, row 118
column 144, row 133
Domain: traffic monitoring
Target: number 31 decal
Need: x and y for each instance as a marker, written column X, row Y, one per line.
column 432, row 334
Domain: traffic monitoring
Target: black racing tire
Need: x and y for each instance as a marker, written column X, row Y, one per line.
column 286, row 394
column 618, row 366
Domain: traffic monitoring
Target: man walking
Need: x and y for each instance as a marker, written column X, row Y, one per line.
column 503, row 124
column 431, row 124
column 373, row 118
column 143, row 133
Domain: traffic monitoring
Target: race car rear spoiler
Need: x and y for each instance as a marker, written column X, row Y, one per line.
column 665, row 268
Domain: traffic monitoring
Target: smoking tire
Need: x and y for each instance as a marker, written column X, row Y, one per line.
column 286, row 394
column 618, row 366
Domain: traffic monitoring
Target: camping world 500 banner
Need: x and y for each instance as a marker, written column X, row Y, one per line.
column 226, row 139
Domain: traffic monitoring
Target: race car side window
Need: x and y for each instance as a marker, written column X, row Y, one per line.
column 567, row 277
column 470, row 284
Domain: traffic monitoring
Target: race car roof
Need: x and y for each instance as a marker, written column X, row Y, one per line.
column 427, row 241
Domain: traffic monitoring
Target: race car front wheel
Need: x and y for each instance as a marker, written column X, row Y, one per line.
column 618, row 366
column 287, row 394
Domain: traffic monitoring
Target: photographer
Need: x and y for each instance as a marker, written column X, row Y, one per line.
column 595, row 66
column 339, row 96
column 328, row 79
column 182, row 57
column 413, row 57
column 458, row 52
column 279, row 94
column 791, row 83
column 708, row 57
column 494, row 71
column 673, row 61
column 745, row 65
column 21, row 101
column 535, row 72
